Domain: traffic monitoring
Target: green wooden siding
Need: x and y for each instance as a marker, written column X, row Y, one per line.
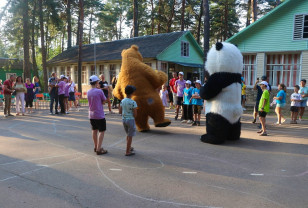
column 275, row 32
column 3, row 72
column 173, row 52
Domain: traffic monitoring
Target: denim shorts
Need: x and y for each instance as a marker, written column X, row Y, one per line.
column 129, row 127
column 303, row 103
column 280, row 105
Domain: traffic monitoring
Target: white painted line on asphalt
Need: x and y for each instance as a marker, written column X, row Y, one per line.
column 257, row 174
column 187, row 172
column 114, row 169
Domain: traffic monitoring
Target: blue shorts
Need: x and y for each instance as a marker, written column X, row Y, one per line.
column 129, row 127
column 303, row 103
column 281, row 105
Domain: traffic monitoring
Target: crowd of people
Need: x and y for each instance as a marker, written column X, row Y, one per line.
column 24, row 93
column 181, row 95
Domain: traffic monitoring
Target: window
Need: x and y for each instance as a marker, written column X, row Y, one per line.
column 283, row 68
column 164, row 67
column 68, row 71
column 8, row 75
column 300, row 27
column 76, row 74
column 249, row 70
column 112, row 71
column 101, row 70
column 62, row 71
column 84, row 75
column 93, row 70
column 184, row 48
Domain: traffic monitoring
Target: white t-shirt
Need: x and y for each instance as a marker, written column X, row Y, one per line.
column 295, row 96
column 72, row 87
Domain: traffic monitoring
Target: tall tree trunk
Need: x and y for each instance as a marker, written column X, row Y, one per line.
column 248, row 13
column 183, row 15
column 62, row 40
column 46, row 38
column 26, row 38
column 206, row 9
column 152, row 17
column 90, row 28
column 159, row 16
column 34, row 64
column 69, row 24
column 78, row 30
column 43, row 44
column 199, row 22
column 136, row 18
column 254, row 9
column 169, row 22
column 80, row 40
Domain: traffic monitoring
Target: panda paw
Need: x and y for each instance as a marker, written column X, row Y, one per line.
column 211, row 139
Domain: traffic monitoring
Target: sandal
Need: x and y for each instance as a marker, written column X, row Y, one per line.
column 263, row 134
column 132, row 149
column 101, row 152
column 130, row 154
column 259, row 132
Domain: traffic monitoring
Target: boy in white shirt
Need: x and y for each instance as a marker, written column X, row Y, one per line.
column 295, row 104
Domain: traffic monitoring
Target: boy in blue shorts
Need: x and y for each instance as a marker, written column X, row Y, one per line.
column 128, row 109
column 197, row 103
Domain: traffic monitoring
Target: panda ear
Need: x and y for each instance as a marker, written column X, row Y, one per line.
column 219, row 46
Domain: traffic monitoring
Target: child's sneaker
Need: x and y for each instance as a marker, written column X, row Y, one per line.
column 194, row 123
column 184, row 121
column 189, row 122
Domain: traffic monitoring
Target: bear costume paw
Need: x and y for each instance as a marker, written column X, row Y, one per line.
column 165, row 123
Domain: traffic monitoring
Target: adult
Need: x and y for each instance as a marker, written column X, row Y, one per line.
column 180, row 85
column 61, row 92
column 7, row 91
column 173, row 88
column 37, row 88
column 103, row 84
column 259, row 94
column 53, row 92
column 20, row 95
column 303, row 91
column 1, row 92
column 29, row 95
column 280, row 103
column 71, row 93
column 115, row 99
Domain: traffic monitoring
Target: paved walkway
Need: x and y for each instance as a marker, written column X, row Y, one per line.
column 48, row 161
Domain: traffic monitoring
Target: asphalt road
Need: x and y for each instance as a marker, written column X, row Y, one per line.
column 48, row 161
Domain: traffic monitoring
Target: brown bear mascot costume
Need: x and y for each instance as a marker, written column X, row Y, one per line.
column 146, row 80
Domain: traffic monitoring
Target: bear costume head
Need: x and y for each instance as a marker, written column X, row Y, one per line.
column 224, row 57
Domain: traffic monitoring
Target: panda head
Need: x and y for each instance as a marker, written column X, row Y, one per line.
column 224, row 57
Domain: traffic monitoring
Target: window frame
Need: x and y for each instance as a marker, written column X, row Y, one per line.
column 290, row 80
column 185, row 51
column 302, row 27
column 255, row 68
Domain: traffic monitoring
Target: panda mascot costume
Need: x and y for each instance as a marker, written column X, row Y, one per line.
column 222, row 93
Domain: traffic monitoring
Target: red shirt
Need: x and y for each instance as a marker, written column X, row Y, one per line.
column 8, row 85
column 172, row 84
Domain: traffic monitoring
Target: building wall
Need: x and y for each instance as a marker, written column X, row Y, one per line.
column 274, row 33
column 3, row 73
column 173, row 52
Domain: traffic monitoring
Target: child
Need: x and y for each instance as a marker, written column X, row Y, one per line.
column 280, row 103
column 263, row 107
column 164, row 95
column 96, row 100
column 197, row 103
column 187, row 105
column 295, row 104
column 128, row 109
column 180, row 85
